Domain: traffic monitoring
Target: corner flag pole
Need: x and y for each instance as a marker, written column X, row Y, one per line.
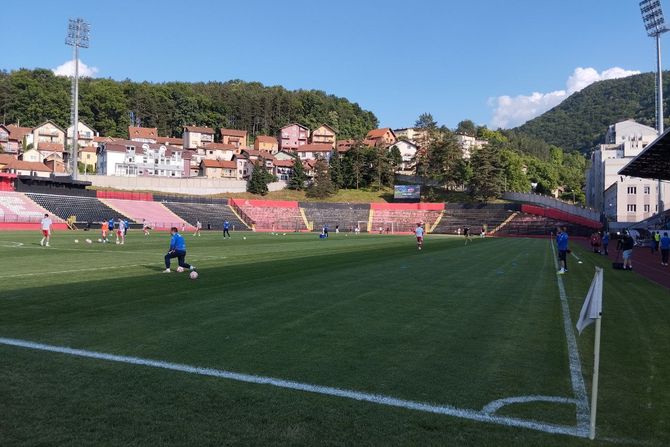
column 594, row 385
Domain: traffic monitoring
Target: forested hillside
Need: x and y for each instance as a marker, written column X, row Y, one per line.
column 580, row 122
column 33, row 96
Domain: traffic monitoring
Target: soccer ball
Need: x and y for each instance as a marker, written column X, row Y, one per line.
column 244, row 237
column 76, row 241
column 99, row 240
column 180, row 269
column 117, row 242
column 88, row 241
column 193, row 275
column 284, row 234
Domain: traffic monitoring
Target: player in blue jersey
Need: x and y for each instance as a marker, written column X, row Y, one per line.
column 226, row 228
column 177, row 250
column 562, row 245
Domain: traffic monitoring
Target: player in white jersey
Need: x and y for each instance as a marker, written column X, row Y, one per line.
column 46, row 230
column 418, row 231
column 198, row 227
column 121, row 232
column 145, row 227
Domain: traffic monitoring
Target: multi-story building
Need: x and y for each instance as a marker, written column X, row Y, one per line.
column 413, row 134
column 171, row 141
column 237, row 138
column 408, row 153
column 266, row 143
column 195, row 136
column 314, row 151
column 622, row 198
column 293, row 136
column 469, row 144
column 130, row 159
column 18, row 137
column 4, row 138
column 143, row 134
column 324, row 134
column 88, row 157
column 48, row 132
column 226, row 169
column 22, row 167
column 86, row 135
column 380, row 137
column 218, row 151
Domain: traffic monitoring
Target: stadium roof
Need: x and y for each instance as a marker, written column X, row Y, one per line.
column 653, row 162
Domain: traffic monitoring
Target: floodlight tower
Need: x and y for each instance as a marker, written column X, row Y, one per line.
column 654, row 23
column 77, row 37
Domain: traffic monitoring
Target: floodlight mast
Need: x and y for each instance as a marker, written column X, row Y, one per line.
column 654, row 24
column 77, row 37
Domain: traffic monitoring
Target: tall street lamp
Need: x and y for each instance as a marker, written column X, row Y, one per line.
column 77, row 37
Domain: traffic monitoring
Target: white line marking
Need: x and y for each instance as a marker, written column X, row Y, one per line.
column 10, row 244
column 576, row 375
column 496, row 405
column 379, row 399
column 575, row 256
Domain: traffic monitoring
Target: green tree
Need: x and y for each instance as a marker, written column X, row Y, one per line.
column 466, row 127
column 394, row 158
column 298, row 176
column 322, row 186
column 443, row 158
column 486, row 173
column 514, row 178
column 335, row 169
column 260, row 177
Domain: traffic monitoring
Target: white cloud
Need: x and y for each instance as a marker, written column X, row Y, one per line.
column 67, row 69
column 512, row 111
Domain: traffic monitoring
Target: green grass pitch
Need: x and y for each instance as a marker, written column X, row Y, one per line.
column 455, row 325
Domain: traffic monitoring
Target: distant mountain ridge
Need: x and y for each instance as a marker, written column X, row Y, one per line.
column 580, row 122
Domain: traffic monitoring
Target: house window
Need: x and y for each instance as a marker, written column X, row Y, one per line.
column 632, row 208
column 646, row 208
column 632, row 190
column 646, row 190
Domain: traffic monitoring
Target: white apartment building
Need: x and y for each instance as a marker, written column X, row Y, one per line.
column 195, row 136
column 86, row 135
column 469, row 144
column 408, row 154
column 130, row 159
column 622, row 198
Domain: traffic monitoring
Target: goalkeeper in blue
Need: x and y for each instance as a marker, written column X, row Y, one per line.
column 177, row 250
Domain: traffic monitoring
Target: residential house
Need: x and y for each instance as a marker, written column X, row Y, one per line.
column 266, row 143
column 171, row 141
column 408, row 153
column 5, row 159
column 343, row 146
column 314, row 151
column 143, row 134
column 195, row 136
column 622, row 198
column 237, row 138
column 293, row 136
column 51, row 150
column 218, row 151
column 469, row 144
column 283, row 169
column 86, row 135
column 380, row 137
column 129, row 158
column 253, row 155
column 413, row 134
column 48, row 132
column 56, row 165
column 4, row 138
column 22, row 167
column 98, row 139
column 32, row 155
column 88, row 157
column 18, row 137
column 226, row 169
column 281, row 155
column 324, row 134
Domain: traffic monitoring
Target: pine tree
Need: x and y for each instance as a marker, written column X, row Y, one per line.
column 335, row 168
column 258, row 183
column 322, row 186
column 486, row 181
column 298, row 176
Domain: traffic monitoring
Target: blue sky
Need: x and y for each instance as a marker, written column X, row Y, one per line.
column 398, row 59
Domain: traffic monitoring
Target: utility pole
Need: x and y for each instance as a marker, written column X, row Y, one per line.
column 77, row 37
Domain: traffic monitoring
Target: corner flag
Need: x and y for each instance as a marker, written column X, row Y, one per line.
column 593, row 304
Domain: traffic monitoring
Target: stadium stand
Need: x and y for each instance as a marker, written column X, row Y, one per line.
column 210, row 215
column 403, row 217
column 476, row 217
column 344, row 215
column 271, row 215
column 155, row 213
column 524, row 224
column 86, row 209
column 15, row 207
